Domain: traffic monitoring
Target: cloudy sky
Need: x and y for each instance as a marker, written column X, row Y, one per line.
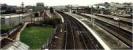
column 60, row 2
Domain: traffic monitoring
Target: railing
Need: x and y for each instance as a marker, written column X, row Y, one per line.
column 49, row 41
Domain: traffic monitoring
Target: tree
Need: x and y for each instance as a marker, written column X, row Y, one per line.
column 98, row 9
column 51, row 10
column 87, row 10
column 106, row 4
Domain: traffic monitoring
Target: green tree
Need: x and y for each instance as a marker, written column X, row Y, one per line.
column 51, row 10
column 106, row 4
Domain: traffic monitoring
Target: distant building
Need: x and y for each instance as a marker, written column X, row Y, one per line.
column 80, row 9
column 122, row 9
column 12, row 19
column 77, row 9
column 40, row 4
column 7, row 8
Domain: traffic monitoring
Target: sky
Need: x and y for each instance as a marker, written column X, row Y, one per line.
column 60, row 2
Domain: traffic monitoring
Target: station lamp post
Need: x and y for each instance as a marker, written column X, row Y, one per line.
column 10, row 21
column 92, row 18
column 118, row 23
column 22, row 9
column 93, row 22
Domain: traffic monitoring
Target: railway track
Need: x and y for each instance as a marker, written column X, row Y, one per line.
column 121, row 34
column 121, row 22
column 77, row 36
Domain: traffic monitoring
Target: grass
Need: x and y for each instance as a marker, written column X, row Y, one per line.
column 36, row 36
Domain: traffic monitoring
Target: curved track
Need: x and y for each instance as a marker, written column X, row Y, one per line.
column 77, row 36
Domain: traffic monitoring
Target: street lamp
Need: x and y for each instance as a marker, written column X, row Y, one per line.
column 91, row 9
column 31, row 14
column 21, row 15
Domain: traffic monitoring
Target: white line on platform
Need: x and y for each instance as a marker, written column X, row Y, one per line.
column 61, row 17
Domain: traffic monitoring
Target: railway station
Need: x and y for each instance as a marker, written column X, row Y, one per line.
column 74, row 25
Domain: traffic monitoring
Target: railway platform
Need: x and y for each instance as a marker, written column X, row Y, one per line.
column 125, row 27
column 107, row 40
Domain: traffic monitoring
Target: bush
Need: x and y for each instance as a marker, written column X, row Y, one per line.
column 52, row 21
